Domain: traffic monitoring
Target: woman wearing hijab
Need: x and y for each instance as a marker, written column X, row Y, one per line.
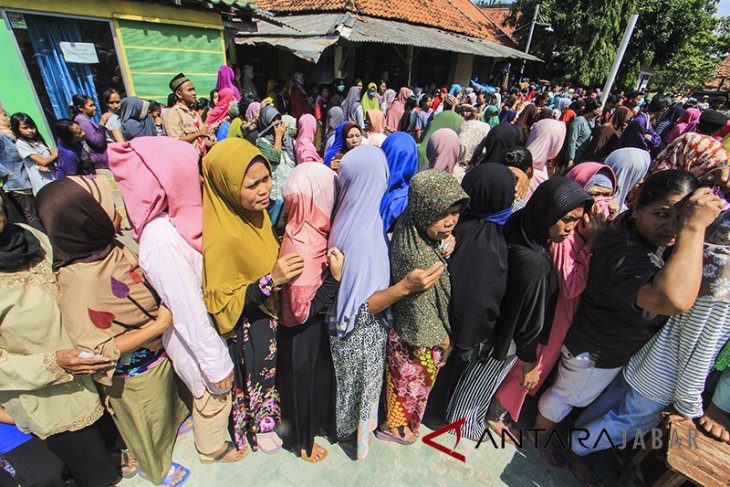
column 46, row 388
column 545, row 143
column 241, row 275
column 508, row 113
column 630, row 166
column 631, row 290
column 604, row 142
column 692, row 152
column 375, row 122
column 277, row 147
column 418, row 344
column 495, row 145
column 446, row 119
column 671, row 368
column 491, row 116
column 443, row 150
column 356, row 321
column 570, row 113
column 396, row 110
column 456, row 91
column 669, row 120
column 526, row 311
column 352, row 108
column 388, row 99
column 401, row 154
column 349, row 136
column 471, row 135
column 227, row 81
column 526, row 119
column 305, row 372
column 570, row 260
column 219, row 113
column 160, row 184
column 299, row 102
column 370, row 100
column 304, row 147
column 110, row 310
column 686, row 120
column 134, row 119
column 335, row 118
column 478, row 273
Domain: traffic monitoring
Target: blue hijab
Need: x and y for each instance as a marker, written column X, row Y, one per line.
column 402, row 156
column 455, row 89
column 336, row 145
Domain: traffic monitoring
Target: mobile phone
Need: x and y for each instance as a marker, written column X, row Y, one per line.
column 89, row 355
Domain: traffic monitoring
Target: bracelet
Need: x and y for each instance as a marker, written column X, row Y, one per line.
column 266, row 284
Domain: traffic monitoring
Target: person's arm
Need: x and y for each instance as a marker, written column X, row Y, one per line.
column 128, row 342
column 674, row 288
column 268, row 151
column 572, row 141
column 44, row 161
column 324, row 298
column 360, row 117
column 417, row 280
column 117, row 135
column 95, row 135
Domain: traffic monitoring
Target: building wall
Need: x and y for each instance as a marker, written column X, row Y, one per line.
column 16, row 92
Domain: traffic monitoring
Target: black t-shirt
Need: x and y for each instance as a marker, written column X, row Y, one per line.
column 608, row 324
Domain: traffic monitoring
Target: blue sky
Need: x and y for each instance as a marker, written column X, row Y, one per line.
column 723, row 7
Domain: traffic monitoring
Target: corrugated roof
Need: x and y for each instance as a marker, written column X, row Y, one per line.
column 723, row 70
column 460, row 16
column 360, row 29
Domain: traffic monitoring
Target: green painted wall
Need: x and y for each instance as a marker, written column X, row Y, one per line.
column 16, row 92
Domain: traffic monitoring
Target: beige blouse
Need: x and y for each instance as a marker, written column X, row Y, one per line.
column 38, row 394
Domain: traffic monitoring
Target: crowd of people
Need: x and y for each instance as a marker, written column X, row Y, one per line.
column 335, row 262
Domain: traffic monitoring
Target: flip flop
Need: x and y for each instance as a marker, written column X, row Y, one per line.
column 186, row 426
column 382, row 435
column 311, row 459
column 270, row 438
column 125, row 458
column 230, row 446
column 175, row 468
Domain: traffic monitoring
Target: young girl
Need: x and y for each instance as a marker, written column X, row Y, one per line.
column 38, row 158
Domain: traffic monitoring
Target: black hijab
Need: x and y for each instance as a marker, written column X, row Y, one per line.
column 478, row 266
column 528, row 307
column 79, row 228
column 495, row 145
column 18, row 248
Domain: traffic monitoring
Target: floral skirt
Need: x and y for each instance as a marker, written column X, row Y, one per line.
column 255, row 398
column 410, row 373
column 359, row 360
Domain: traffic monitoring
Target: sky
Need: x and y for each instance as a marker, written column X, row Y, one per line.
column 723, row 7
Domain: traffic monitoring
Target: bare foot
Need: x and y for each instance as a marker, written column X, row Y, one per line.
column 716, row 423
column 318, row 454
column 233, row 455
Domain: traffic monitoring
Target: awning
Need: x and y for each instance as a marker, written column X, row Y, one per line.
column 325, row 29
column 307, row 48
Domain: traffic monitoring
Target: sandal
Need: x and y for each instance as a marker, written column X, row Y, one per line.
column 175, row 469
column 219, row 458
column 186, row 426
column 268, row 443
column 385, row 436
column 313, row 457
column 128, row 466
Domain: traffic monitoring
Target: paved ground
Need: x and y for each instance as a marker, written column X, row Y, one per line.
column 387, row 464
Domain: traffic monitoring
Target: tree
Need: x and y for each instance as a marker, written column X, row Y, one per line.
column 677, row 37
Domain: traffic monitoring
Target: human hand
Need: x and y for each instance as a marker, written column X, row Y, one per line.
column 105, row 118
column 54, row 153
column 279, row 130
column 530, row 375
column 522, row 185
column 335, row 164
column 592, row 225
column 163, row 321
column 43, row 168
column 226, row 383
column 447, row 245
column 700, row 210
column 423, row 279
column 117, row 222
column 336, row 261
column 287, row 268
column 69, row 360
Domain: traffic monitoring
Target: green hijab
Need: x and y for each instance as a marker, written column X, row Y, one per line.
column 446, row 119
column 422, row 319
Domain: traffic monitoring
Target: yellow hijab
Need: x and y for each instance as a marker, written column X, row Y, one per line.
column 236, row 252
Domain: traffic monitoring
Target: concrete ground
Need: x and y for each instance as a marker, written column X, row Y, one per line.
column 387, row 464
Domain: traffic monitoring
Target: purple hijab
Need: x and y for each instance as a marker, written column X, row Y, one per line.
column 226, row 79
column 357, row 230
column 443, row 150
column 252, row 110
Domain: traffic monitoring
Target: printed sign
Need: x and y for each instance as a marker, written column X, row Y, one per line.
column 79, row 52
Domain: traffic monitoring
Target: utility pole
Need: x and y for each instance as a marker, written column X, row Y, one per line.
column 619, row 57
column 529, row 41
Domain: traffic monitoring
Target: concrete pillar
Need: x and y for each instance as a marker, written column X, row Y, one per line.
column 463, row 68
column 338, row 60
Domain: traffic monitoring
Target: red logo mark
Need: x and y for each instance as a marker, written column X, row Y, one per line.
column 428, row 439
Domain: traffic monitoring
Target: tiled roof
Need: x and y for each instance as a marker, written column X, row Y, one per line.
column 723, row 70
column 460, row 16
column 499, row 16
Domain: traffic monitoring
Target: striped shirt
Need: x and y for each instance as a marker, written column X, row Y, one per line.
column 672, row 367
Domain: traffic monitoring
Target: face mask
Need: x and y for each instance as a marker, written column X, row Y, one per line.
column 603, row 203
column 340, row 87
column 372, row 94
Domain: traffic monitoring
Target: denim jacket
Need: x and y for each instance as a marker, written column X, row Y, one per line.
column 11, row 166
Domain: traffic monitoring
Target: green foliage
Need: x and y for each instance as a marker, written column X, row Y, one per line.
column 681, row 39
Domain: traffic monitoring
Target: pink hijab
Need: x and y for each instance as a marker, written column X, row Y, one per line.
column 227, row 79
column 544, row 143
column 684, row 124
column 397, row 109
column 220, row 110
column 253, row 110
column 309, row 194
column 158, row 174
column 443, row 150
column 304, row 149
column 377, row 122
column 584, row 173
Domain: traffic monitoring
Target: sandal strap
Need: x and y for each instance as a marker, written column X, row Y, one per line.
column 229, row 448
